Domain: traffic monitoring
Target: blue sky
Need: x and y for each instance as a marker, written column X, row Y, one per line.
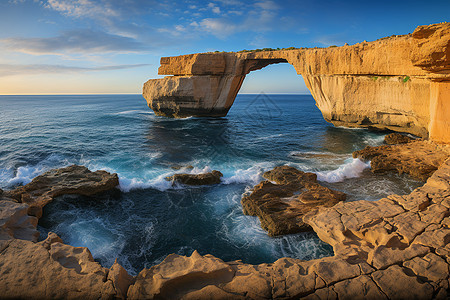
column 114, row 46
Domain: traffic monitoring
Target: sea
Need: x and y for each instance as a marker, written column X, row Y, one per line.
column 149, row 217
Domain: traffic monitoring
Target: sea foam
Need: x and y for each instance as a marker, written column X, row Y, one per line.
column 350, row 169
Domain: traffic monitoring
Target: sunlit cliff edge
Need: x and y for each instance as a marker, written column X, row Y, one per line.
column 401, row 83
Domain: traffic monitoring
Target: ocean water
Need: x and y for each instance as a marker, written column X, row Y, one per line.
column 149, row 218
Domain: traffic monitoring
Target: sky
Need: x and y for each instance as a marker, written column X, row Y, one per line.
column 114, row 46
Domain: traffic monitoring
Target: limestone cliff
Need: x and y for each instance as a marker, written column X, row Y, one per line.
column 400, row 83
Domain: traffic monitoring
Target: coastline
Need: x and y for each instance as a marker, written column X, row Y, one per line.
column 373, row 241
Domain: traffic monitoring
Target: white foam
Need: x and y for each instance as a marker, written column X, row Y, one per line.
column 351, row 169
column 374, row 140
column 134, row 111
column 24, row 175
column 250, row 175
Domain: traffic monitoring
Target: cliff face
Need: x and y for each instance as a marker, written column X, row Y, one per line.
column 401, row 83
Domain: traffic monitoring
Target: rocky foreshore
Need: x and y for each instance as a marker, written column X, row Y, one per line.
column 280, row 206
column 394, row 248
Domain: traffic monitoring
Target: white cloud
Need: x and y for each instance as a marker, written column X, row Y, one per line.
column 214, row 8
column 32, row 69
column 231, row 2
column 218, row 27
column 75, row 41
column 267, row 5
column 16, row 1
column 82, row 8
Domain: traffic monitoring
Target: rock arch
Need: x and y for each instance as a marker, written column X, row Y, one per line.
column 400, row 83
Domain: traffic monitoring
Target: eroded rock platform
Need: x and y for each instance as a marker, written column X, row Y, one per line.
column 394, row 248
column 280, row 206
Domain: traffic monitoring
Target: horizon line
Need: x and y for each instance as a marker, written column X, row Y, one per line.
column 81, row 94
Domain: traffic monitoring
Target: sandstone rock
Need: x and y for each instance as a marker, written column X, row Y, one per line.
column 51, row 239
column 16, row 223
column 120, row 279
column 396, row 284
column 397, row 248
column 418, row 158
column 70, row 180
column 406, row 91
column 30, row 271
column 396, row 138
column 362, row 287
column 179, row 275
column 281, row 206
column 197, row 179
column 431, row 266
column 382, row 256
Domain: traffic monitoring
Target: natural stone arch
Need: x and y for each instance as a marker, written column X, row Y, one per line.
column 400, row 83
column 209, row 91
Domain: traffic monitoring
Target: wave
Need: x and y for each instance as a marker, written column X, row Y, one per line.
column 133, row 111
column 374, row 140
column 10, row 177
column 351, row 169
column 250, row 175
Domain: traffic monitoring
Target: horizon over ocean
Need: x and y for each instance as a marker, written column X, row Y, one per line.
column 149, row 218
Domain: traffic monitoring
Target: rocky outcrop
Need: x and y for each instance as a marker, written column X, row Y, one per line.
column 16, row 223
column 394, row 248
column 70, row 180
column 417, row 158
column 396, row 138
column 280, row 206
column 399, row 83
column 51, row 269
column 196, row 179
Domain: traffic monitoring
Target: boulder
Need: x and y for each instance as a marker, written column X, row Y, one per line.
column 196, row 179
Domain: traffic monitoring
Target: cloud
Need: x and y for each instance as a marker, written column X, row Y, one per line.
column 82, row 8
column 267, row 5
column 231, row 2
column 33, row 69
column 15, row 2
column 218, row 27
column 76, row 41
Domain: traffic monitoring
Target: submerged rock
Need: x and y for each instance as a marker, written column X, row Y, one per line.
column 280, row 206
column 396, row 138
column 70, row 180
column 417, row 158
column 197, row 179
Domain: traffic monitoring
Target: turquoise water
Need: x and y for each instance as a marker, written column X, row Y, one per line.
column 149, row 219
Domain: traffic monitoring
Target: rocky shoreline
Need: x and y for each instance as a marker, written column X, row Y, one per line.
column 395, row 248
